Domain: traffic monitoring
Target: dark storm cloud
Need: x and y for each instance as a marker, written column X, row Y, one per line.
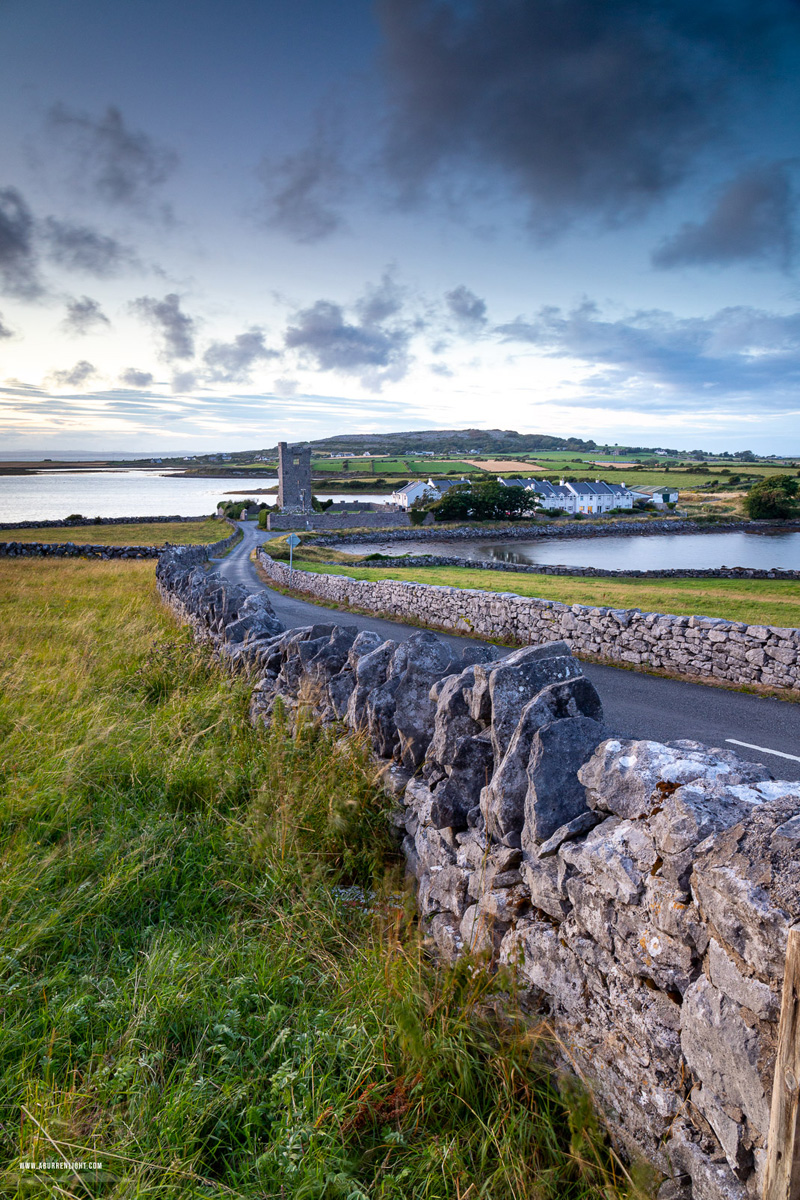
column 177, row 328
column 84, row 315
column 467, row 310
column 136, row 379
column 584, row 108
column 80, row 248
column 730, row 355
column 232, row 362
column 18, row 265
column 301, row 190
column 121, row 165
column 76, row 376
column 753, row 218
column 329, row 342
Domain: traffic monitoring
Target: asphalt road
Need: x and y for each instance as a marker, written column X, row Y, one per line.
column 636, row 705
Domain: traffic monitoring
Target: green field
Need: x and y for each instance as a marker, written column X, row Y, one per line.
column 757, row 601
column 392, row 466
column 141, row 534
column 212, row 981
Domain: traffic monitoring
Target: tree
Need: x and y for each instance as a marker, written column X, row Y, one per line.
column 485, row 502
column 774, row 498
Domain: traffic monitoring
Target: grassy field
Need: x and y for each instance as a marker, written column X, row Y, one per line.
column 211, row 979
column 757, row 601
column 393, row 466
column 143, row 534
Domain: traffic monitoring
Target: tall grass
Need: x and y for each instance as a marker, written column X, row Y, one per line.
column 212, row 982
column 138, row 533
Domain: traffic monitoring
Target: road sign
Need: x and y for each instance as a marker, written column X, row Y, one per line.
column 292, row 541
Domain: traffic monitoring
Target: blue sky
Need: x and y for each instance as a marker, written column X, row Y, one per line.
column 221, row 224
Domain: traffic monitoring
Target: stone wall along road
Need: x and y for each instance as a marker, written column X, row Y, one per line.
column 641, row 892
column 691, row 647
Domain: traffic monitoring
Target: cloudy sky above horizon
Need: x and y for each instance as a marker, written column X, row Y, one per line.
column 221, row 224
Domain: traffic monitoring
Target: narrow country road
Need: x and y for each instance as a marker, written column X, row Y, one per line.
column 636, row 705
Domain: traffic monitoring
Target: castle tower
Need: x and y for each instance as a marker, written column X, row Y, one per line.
column 294, row 478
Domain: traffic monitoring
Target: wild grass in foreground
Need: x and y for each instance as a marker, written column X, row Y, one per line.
column 140, row 533
column 757, row 601
column 210, row 984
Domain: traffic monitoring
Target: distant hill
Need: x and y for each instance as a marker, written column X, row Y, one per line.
column 461, row 441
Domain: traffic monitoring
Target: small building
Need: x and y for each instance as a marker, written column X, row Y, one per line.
column 416, row 489
column 660, row 495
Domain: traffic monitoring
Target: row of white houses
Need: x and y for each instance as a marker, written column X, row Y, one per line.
column 589, row 499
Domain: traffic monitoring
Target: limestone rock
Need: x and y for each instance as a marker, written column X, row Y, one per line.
column 503, row 803
column 555, row 792
column 632, row 778
column 723, row 1051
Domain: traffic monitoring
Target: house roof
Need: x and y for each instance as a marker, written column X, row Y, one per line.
column 651, row 489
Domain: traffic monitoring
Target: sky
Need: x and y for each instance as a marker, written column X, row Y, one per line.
column 228, row 223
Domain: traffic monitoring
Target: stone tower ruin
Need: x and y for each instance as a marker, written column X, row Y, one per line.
column 294, row 478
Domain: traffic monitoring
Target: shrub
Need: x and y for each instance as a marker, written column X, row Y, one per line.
column 774, row 498
column 417, row 515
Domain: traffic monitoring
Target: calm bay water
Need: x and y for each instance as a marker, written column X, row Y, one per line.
column 764, row 550
column 123, row 492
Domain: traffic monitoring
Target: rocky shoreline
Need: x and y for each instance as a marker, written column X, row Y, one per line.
column 490, row 564
column 624, row 528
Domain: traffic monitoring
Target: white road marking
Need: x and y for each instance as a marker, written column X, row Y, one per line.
column 763, row 749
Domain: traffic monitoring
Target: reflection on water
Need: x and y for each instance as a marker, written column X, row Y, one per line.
column 655, row 552
column 125, row 492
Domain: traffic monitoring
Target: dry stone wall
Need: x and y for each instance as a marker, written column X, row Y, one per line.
column 641, row 892
column 729, row 651
column 282, row 522
column 491, row 564
column 74, row 550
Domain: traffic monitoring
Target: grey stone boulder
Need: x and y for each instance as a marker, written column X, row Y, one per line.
column 555, row 792
column 256, row 619
column 711, row 1177
column 470, row 767
column 746, row 879
column 399, row 711
column 481, row 933
column 736, row 982
column 445, row 933
column 546, row 879
column 502, row 689
column 366, row 641
column 503, row 802
column 444, row 890
column 724, row 1052
column 371, row 669
column 452, row 722
column 329, row 658
column 340, row 689
column 631, row 778
column 379, row 718
column 616, row 857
